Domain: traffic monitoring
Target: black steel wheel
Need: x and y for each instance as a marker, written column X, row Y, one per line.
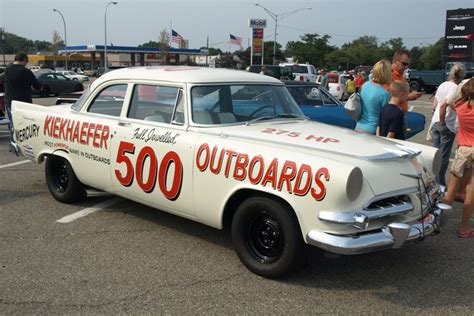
column 62, row 181
column 266, row 236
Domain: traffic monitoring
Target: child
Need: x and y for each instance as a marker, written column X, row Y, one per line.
column 392, row 117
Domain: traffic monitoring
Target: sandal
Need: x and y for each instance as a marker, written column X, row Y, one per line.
column 466, row 234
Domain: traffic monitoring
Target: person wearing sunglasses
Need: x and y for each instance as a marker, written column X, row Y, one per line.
column 400, row 63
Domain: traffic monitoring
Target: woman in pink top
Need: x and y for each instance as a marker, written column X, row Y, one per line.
column 464, row 160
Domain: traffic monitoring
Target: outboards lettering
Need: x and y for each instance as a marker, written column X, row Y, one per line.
column 298, row 180
column 84, row 133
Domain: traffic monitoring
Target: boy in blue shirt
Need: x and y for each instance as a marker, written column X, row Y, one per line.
column 391, row 122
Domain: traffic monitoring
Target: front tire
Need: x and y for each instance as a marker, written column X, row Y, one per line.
column 266, row 236
column 62, row 181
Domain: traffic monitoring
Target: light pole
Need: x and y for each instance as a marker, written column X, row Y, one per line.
column 2, row 30
column 275, row 17
column 105, row 31
column 65, row 35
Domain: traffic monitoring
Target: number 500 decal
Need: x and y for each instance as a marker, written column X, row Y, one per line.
column 148, row 185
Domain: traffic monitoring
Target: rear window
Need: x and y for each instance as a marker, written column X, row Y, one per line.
column 299, row 69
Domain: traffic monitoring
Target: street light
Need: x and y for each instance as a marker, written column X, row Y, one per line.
column 105, row 29
column 65, row 35
column 275, row 17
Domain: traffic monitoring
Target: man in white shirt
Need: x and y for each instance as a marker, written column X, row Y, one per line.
column 443, row 125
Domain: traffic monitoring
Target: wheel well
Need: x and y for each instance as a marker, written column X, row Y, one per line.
column 241, row 195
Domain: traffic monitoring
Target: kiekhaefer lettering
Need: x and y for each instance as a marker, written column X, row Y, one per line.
column 294, row 179
column 147, row 135
column 84, row 133
column 27, row 132
column 468, row 36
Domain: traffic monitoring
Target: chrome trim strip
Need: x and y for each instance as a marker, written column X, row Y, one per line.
column 349, row 218
column 394, row 235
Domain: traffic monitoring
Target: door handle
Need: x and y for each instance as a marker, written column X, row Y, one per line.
column 124, row 124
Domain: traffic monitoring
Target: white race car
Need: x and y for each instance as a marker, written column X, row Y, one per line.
column 73, row 75
column 232, row 148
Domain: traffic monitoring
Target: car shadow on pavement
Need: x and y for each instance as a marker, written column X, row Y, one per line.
column 431, row 274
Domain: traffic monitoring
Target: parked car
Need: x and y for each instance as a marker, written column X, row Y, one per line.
column 232, row 149
column 320, row 105
column 73, row 75
column 429, row 80
column 278, row 72
column 302, row 72
column 337, row 85
column 55, row 83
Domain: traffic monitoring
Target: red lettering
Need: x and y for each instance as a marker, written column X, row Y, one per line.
column 57, row 121
column 95, row 142
column 62, row 129
column 269, row 130
column 104, row 137
column 47, row 127
column 217, row 169
column 241, row 163
column 230, row 153
column 69, row 128
column 271, row 174
column 90, row 132
column 146, row 153
column 171, row 158
column 204, row 148
column 287, row 175
column 330, row 140
column 75, row 136
column 84, row 127
column 318, row 139
column 319, row 196
column 257, row 159
column 303, row 172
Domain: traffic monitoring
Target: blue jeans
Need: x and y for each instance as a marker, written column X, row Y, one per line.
column 443, row 139
column 8, row 107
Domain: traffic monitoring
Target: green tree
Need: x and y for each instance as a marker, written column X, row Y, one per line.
column 313, row 48
column 432, row 57
column 387, row 49
column 268, row 53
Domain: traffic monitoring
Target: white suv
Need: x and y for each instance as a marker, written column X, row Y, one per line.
column 302, row 72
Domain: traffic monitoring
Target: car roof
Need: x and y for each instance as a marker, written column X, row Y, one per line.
column 299, row 83
column 186, row 74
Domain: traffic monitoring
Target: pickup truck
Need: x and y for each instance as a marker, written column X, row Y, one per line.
column 429, row 80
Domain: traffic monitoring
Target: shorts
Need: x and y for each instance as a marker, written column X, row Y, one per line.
column 464, row 159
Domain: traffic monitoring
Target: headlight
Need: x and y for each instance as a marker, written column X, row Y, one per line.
column 354, row 184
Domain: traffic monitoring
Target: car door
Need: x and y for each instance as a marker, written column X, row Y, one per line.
column 319, row 105
column 152, row 153
column 63, row 84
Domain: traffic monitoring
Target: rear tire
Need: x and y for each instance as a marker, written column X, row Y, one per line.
column 62, row 181
column 415, row 85
column 266, row 236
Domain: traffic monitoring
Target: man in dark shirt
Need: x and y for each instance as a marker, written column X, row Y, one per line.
column 18, row 83
column 392, row 117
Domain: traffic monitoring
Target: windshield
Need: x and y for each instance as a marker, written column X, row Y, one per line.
column 226, row 104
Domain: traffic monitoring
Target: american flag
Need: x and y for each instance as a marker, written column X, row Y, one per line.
column 175, row 37
column 235, row 40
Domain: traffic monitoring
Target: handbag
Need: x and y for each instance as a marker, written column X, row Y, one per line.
column 353, row 106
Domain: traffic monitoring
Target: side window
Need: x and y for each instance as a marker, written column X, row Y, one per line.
column 109, row 101
column 153, row 103
column 178, row 117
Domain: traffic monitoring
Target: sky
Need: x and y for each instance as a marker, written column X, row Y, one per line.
column 134, row 22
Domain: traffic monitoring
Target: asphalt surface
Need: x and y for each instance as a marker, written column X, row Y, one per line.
column 130, row 259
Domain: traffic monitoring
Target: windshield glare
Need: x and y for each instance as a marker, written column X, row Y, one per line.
column 225, row 104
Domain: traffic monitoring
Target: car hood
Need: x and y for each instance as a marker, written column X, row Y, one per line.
column 321, row 138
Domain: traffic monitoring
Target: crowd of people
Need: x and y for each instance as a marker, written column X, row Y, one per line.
column 384, row 99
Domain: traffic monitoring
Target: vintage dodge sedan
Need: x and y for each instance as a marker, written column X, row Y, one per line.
column 231, row 148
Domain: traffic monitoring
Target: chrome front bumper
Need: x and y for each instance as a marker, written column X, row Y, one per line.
column 391, row 236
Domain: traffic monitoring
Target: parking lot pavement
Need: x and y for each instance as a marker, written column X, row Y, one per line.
column 123, row 257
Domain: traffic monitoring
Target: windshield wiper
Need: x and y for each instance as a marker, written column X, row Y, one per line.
column 289, row 115
column 261, row 118
column 269, row 117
